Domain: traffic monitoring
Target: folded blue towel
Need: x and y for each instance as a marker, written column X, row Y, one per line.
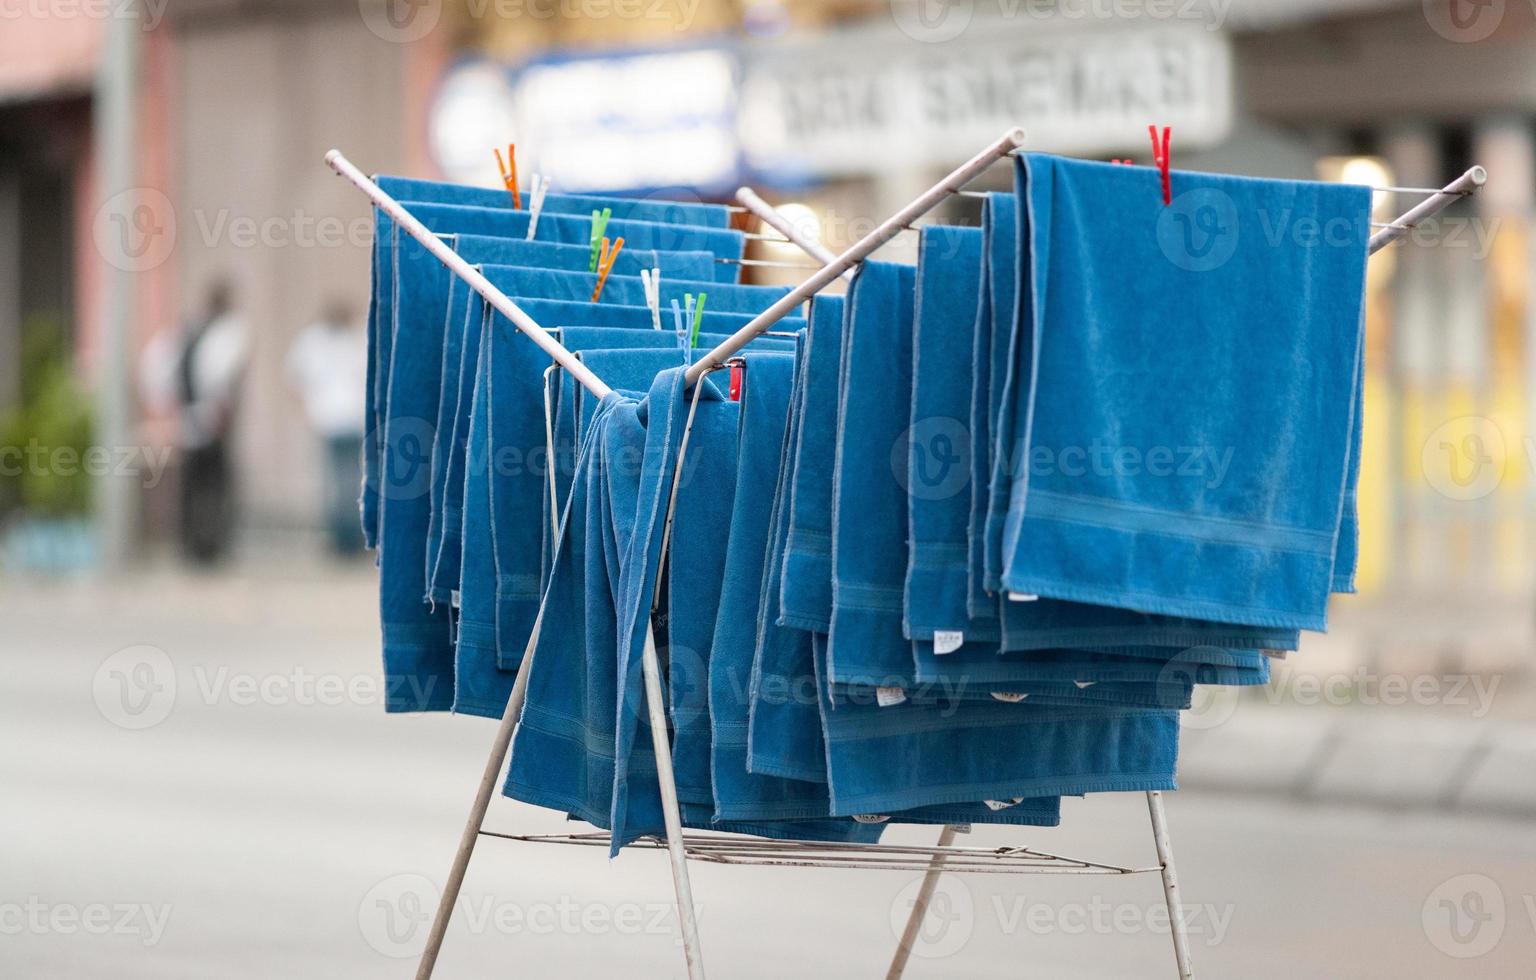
column 806, row 583
column 869, row 502
column 623, row 208
column 1241, row 357
column 949, row 276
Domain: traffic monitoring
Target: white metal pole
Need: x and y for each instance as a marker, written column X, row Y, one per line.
column 890, row 228
column 455, row 262
column 477, row 810
column 1467, row 183
column 651, row 667
column 770, row 216
column 1176, row 924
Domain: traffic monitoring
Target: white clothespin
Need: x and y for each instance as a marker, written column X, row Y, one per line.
column 650, row 280
column 536, row 203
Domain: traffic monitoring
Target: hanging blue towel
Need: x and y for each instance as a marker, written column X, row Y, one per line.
column 949, row 277
column 784, row 724
column 644, row 225
column 1203, row 335
column 910, row 755
column 739, row 794
column 806, row 585
column 869, row 505
column 410, row 189
column 1035, row 810
column 629, row 290
column 994, row 325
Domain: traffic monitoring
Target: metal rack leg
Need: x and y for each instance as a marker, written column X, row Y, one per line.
column 919, row 908
column 651, row 667
column 476, row 820
column 1176, row 925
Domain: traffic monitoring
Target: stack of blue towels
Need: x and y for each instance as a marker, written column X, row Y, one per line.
column 944, row 550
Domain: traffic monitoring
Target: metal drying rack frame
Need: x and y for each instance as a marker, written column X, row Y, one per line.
column 729, row 849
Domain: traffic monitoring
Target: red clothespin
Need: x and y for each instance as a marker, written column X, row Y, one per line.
column 1162, row 157
column 605, row 261
column 508, row 169
column 736, row 374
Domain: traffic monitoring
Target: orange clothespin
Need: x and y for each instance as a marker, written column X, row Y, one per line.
column 610, row 254
column 508, row 169
column 1164, row 160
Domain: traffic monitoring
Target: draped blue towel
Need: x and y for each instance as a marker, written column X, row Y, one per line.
column 994, row 325
column 624, row 208
column 869, row 503
column 806, row 584
column 479, row 687
column 1152, row 329
column 949, row 275
column 739, row 794
column 637, row 507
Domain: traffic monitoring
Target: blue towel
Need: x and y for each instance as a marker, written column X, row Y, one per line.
column 949, row 274
column 806, row 583
column 1246, row 355
column 629, row 290
column 910, row 755
column 397, row 254
column 851, row 739
column 994, row 325
column 623, row 208
column 869, row 505
column 645, row 225
column 784, row 724
column 739, row 794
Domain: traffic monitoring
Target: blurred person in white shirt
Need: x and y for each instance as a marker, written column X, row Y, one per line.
column 197, row 373
column 327, row 365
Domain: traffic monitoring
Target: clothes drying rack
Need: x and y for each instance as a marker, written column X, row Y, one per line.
column 730, row 849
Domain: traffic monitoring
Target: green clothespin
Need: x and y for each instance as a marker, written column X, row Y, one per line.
column 599, row 226
column 696, row 309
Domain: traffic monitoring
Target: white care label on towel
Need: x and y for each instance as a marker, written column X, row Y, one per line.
column 1022, row 597
column 887, row 696
column 1008, row 697
column 1081, row 685
column 996, row 805
column 947, row 641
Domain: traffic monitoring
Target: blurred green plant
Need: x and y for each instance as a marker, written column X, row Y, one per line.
column 44, row 438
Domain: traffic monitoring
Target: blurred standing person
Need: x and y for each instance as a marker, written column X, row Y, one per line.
column 198, row 373
column 328, row 364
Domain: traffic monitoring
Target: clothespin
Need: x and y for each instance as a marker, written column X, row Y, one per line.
column 599, row 225
column 695, row 318
column 508, row 169
column 736, row 373
column 677, row 323
column 1163, row 159
column 650, row 280
column 605, row 265
column 536, row 203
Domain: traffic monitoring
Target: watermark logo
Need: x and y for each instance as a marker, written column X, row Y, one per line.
column 948, row 923
column 408, row 458
column 135, row 230
column 400, row 21
column 1464, row 916
column 36, row 917
column 933, row 21
column 135, row 688
column 1464, row 21
column 1463, row 459
column 1199, row 231
column 395, row 914
column 932, row 458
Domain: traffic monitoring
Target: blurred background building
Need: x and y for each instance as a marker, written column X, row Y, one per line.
column 842, row 109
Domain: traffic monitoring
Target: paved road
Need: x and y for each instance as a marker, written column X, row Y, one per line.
column 274, row 822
